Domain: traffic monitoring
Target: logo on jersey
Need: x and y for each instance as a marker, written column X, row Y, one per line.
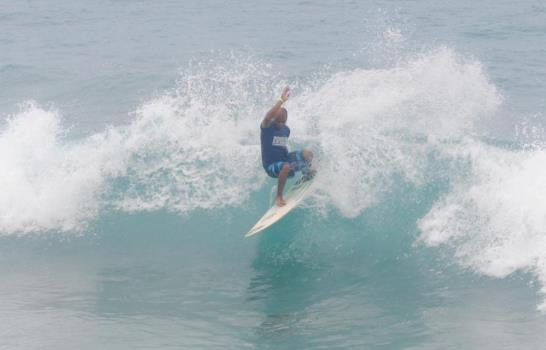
column 281, row 141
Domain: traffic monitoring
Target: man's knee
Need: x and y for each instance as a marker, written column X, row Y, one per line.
column 307, row 155
column 285, row 168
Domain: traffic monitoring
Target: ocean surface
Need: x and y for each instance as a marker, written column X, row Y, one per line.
column 130, row 171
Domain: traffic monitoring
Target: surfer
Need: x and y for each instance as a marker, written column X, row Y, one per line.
column 276, row 160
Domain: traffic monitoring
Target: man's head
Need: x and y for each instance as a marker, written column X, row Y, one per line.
column 280, row 118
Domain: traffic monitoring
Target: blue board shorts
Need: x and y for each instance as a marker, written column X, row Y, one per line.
column 296, row 163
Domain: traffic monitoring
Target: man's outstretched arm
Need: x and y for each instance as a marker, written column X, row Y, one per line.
column 272, row 113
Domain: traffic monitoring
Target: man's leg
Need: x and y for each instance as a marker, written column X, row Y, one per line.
column 308, row 173
column 283, row 175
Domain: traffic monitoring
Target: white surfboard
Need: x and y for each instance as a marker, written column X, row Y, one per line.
column 293, row 197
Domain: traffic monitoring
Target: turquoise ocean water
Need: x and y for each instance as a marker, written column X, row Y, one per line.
column 130, row 171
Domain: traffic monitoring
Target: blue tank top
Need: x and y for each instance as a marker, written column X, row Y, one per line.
column 274, row 144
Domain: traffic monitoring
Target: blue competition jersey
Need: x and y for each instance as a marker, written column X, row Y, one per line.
column 274, row 144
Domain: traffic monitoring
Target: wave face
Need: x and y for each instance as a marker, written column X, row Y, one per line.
column 414, row 130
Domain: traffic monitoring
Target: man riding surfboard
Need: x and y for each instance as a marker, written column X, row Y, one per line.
column 276, row 160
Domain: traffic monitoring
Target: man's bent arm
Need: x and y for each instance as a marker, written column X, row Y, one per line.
column 272, row 113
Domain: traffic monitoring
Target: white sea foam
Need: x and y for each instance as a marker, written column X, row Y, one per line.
column 47, row 182
column 494, row 218
column 366, row 123
column 193, row 147
column 197, row 146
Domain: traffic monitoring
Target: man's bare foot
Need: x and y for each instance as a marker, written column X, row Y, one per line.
column 280, row 202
